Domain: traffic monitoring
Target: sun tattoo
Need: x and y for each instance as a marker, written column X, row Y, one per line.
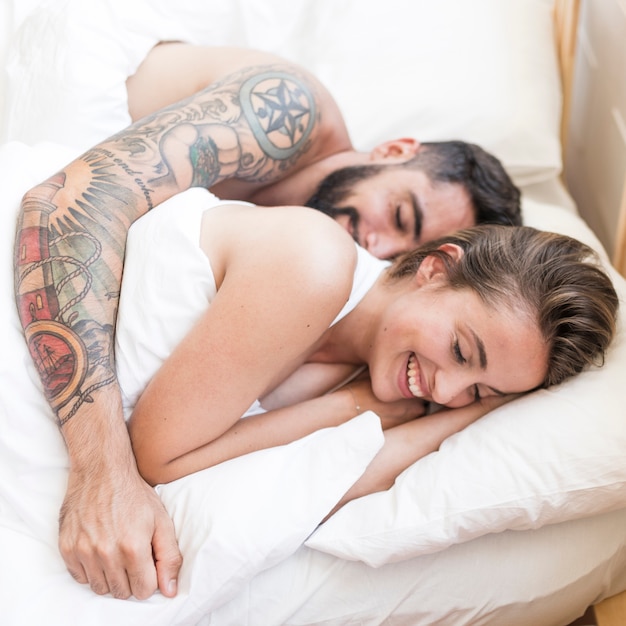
column 95, row 204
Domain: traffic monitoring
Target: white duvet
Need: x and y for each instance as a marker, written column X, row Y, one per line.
column 515, row 521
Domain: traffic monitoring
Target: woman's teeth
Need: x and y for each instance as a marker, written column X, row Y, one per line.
column 413, row 379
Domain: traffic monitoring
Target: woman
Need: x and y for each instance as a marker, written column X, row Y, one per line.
column 466, row 322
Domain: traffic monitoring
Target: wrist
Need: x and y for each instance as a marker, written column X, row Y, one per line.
column 357, row 407
column 97, row 438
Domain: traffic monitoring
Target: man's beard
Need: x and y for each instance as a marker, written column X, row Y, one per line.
column 335, row 188
column 335, row 212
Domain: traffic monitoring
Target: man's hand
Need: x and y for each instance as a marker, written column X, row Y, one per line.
column 116, row 536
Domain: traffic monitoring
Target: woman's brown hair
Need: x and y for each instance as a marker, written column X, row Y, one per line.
column 558, row 280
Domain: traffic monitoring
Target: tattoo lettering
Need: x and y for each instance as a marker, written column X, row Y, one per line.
column 110, row 185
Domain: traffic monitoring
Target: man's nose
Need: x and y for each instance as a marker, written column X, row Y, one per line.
column 382, row 246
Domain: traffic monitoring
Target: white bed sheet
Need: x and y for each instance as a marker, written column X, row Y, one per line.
column 314, row 588
column 66, row 63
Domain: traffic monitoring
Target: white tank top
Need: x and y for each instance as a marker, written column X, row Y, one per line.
column 168, row 284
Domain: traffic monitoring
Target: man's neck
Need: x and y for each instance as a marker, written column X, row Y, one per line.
column 298, row 187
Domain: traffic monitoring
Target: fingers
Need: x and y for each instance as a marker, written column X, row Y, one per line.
column 110, row 547
column 73, row 566
column 123, row 567
column 136, row 572
column 85, row 566
column 167, row 557
column 493, row 402
column 391, row 417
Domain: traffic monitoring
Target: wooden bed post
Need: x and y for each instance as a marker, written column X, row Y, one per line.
column 566, row 16
column 619, row 256
column 612, row 611
column 566, row 25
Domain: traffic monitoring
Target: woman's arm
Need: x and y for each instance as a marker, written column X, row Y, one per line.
column 407, row 443
column 277, row 295
column 309, row 381
column 278, row 427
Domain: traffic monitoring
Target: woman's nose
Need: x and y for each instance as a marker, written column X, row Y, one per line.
column 450, row 389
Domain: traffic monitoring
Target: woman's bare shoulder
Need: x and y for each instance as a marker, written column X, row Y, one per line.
column 284, row 241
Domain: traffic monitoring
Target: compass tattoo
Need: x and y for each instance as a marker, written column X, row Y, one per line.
column 280, row 111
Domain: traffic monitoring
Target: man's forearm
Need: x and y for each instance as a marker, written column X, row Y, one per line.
column 72, row 229
column 68, row 269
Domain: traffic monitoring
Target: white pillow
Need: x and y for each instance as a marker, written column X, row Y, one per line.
column 397, row 68
column 554, row 455
column 241, row 517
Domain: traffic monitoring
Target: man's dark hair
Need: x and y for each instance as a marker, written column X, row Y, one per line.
column 494, row 196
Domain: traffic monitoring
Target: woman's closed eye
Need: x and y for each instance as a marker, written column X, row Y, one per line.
column 458, row 355
column 399, row 222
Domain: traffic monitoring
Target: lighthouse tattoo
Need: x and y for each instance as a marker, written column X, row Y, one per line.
column 51, row 284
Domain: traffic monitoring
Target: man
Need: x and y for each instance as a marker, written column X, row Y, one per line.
column 433, row 190
column 263, row 130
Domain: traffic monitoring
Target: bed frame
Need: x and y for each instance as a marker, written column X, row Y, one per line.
column 612, row 611
column 566, row 14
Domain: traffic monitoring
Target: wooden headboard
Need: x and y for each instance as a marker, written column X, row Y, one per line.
column 598, row 127
column 612, row 611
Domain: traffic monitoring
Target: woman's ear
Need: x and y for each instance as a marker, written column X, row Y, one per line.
column 432, row 269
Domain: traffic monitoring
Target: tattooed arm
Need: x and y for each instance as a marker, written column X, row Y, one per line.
column 255, row 126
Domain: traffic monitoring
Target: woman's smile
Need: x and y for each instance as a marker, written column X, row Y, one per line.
column 414, row 381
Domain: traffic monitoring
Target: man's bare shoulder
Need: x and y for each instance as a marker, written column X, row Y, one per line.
column 173, row 71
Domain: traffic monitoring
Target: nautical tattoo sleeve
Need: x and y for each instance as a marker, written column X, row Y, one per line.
column 254, row 125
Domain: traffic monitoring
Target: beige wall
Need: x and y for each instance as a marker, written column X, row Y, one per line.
column 595, row 160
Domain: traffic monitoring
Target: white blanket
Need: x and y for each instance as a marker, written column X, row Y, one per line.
column 488, row 539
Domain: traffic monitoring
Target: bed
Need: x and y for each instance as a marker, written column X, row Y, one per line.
column 517, row 520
